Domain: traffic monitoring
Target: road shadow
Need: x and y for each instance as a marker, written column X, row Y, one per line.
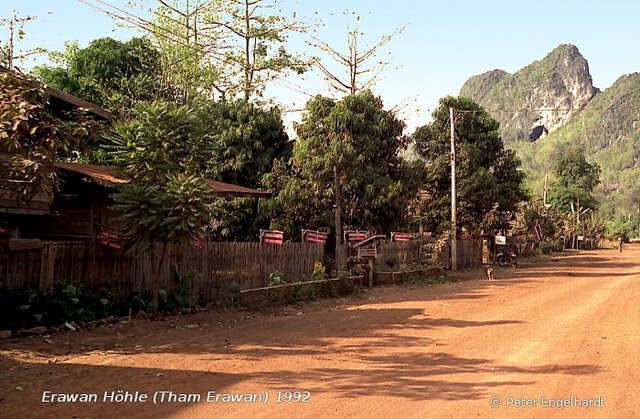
column 414, row 366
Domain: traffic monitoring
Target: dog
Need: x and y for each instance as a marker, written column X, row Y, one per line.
column 489, row 272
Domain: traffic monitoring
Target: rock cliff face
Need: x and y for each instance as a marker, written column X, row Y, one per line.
column 558, row 93
column 547, row 92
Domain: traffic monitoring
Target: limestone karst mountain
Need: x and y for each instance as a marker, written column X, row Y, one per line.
column 557, row 93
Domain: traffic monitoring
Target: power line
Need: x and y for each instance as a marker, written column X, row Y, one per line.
column 489, row 110
column 145, row 25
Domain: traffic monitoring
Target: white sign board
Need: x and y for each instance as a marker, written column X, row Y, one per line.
column 501, row 240
column 580, row 238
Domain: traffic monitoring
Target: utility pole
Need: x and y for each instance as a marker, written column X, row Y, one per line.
column 544, row 193
column 338, row 213
column 454, row 241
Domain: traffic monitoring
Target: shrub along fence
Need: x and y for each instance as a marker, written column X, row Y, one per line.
column 214, row 273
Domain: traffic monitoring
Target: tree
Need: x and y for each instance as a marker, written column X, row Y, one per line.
column 8, row 53
column 353, row 142
column 4, row 55
column 254, row 39
column 573, row 170
column 168, row 202
column 355, row 61
column 190, row 50
column 109, row 73
column 234, row 47
column 576, row 179
column 487, row 174
column 245, row 141
column 34, row 137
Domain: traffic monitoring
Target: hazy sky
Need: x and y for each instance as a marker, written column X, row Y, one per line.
column 444, row 42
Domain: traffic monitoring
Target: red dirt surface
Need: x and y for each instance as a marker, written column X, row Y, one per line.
column 564, row 327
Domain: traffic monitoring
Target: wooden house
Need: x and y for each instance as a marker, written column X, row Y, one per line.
column 81, row 205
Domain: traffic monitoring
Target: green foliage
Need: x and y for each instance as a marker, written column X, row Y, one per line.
column 174, row 212
column 276, row 278
column 162, row 150
column 4, row 54
column 178, row 296
column 605, row 129
column 189, row 47
column 319, row 271
column 234, row 142
column 487, row 175
column 109, row 73
column 232, row 48
column 566, row 199
column 627, row 227
column 162, row 139
column 362, row 140
column 234, row 293
column 235, row 219
column 51, row 307
column 576, row 178
column 573, row 170
column 244, row 141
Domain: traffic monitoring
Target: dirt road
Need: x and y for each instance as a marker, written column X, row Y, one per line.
column 541, row 341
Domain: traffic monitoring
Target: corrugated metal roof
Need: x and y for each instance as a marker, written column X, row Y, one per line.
column 102, row 175
column 77, row 102
column 108, row 177
column 62, row 96
column 236, row 191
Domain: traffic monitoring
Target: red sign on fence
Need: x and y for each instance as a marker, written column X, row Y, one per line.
column 198, row 242
column 109, row 239
column 355, row 236
column 271, row 236
column 400, row 237
column 312, row 236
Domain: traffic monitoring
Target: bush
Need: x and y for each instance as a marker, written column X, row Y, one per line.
column 276, row 278
column 52, row 307
column 319, row 271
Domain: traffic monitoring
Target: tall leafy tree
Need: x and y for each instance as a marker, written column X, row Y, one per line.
column 574, row 170
column 575, row 180
column 33, row 137
column 109, row 73
column 244, row 141
column 350, row 147
column 487, row 175
column 162, row 151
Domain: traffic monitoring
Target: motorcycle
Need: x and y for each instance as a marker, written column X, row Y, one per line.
column 507, row 257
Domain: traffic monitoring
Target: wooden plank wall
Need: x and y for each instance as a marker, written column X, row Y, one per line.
column 469, row 253
column 402, row 253
column 219, row 266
